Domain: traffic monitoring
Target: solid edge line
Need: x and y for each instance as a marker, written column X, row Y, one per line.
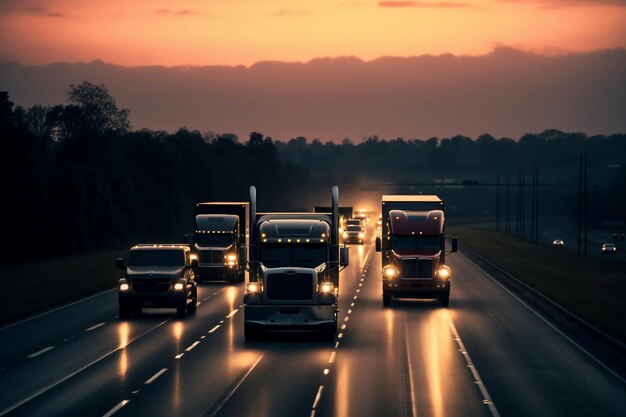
column 318, row 397
column 61, row 307
column 223, row 402
column 470, row 363
column 116, row 408
column 155, row 376
column 408, row 360
column 598, row 361
column 76, row 372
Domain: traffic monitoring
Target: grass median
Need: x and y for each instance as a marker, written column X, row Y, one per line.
column 31, row 288
column 592, row 288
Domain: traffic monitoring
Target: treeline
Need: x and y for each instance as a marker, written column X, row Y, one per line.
column 76, row 177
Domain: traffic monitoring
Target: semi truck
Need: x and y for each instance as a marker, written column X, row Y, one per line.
column 413, row 248
column 294, row 263
column 220, row 240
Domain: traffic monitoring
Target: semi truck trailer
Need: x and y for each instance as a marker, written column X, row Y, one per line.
column 413, row 248
column 295, row 259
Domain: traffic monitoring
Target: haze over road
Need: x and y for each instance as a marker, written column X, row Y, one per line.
column 487, row 355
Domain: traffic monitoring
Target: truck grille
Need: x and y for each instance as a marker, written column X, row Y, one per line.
column 417, row 268
column 296, row 287
column 210, row 256
column 150, row 285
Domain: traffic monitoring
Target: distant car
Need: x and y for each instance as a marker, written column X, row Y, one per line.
column 618, row 237
column 609, row 249
column 353, row 234
column 558, row 242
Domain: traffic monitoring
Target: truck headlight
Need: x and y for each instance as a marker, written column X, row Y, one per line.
column 123, row 285
column 345, row 235
column 327, row 287
column 444, row 272
column 253, row 287
column 390, row 272
column 361, row 235
column 179, row 286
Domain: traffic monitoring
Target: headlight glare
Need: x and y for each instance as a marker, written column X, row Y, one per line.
column 253, row 287
column 124, row 285
column 179, row 286
column 390, row 272
column 444, row 272
column 327, row 287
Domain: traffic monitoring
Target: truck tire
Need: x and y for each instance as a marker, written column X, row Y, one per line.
column 241, row 276
column 181, row 310
column 386, row 298
column 124, row 312
column 328, row 334
column 444, row 299
column 251, row 333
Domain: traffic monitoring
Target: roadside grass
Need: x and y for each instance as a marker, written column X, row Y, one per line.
column 592, row 288
column 31, row 288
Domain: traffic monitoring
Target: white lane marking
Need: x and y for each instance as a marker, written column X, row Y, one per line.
column 232, row 313
column 343, row 327
column 483, row 390
column 235, row 388
column 136, row 392
column 193, row 345
column 548, row 323
column 221, row 321
column 40, row 352
column 215, row 328
column 340, row 336
column 355, row 297
column 336, row 344
column 350, row 311
column 346, row 318
column 332, row 357
column 94, row 327
column 318, row 397
column 408, row 359
column 352, row 305
column 79, row 370
column 116, row 408
column 358, row 290
column 203, row 336
column 155, row 376
column 17, row 323
column 180, row 355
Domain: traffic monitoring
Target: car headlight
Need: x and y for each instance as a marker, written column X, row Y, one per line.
column 390, row 272
column 327, row 287
column 253, row 287
column 124, row 285
column 444, row 272
column 179, row 286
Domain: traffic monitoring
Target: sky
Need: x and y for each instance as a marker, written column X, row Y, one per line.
column 242, row 32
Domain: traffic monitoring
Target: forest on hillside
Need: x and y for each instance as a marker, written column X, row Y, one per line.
column 77, row 177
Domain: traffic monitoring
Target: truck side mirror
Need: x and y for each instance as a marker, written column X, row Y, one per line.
column 454, row 244
column 344, row 256
column 379, row 244
column 189, row 239
column 194, row 263
column 119, row 262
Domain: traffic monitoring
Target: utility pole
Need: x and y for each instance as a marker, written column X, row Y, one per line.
column 523, row 205
column 507, row 207
column 580, row 198
column 586, row 219
column 498, row 203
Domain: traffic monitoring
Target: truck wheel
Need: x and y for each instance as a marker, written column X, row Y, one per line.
column 241, row 277
column 444, row 299
column 329, row 333
column 251, row 333
column 181, row 310
column 124, row 312
column 386, row 298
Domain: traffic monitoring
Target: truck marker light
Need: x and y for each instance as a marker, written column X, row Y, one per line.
column 321, row 240
column 323, row 234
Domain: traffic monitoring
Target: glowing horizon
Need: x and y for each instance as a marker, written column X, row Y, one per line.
column 244, row 32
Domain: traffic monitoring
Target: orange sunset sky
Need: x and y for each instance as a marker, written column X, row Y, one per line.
column 233, row 32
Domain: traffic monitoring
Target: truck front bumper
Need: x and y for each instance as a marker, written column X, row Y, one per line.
column 412, row 288
column 290, row 317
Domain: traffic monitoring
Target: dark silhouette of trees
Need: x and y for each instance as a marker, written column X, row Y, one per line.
column 76, row 178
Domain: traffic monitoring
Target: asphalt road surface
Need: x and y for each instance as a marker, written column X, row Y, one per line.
column 487, row 355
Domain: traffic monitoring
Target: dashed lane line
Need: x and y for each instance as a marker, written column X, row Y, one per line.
column 94, row 327
column 40, row 352
column 155, row 376
column 116, row 408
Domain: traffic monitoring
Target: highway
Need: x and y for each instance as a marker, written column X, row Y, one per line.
column 489, row 354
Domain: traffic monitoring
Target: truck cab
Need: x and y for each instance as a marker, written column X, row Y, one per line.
column 219, row 241
column 413, row 249
column 295, row 260
column 157, row 276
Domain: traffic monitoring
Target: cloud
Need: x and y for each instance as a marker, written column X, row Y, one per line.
column 293, row 13
column 424, row 4
column 32, row 8
column 352, row 4
column 558, row 4
column 181, row 13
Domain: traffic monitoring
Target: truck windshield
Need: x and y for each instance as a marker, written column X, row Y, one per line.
column 354, row 228
column 416, row 242
column 156, row 258
column 215, row 240
column 306, row 256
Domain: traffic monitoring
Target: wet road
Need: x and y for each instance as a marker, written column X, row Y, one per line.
column 487, row 355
